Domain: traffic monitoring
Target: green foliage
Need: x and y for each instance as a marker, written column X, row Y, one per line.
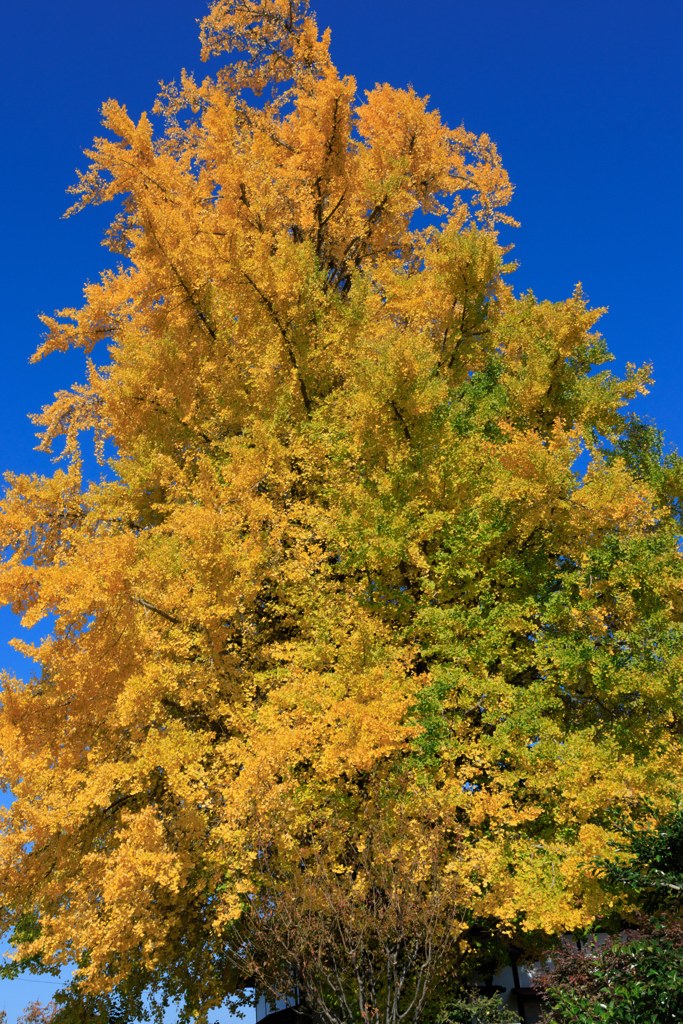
column 641, row 448
column 119, row 1006
column 477, row 1009
column 637, row 979
column 648, row 869
column 26, row 930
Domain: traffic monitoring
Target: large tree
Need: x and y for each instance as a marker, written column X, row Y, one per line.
column 371, row 524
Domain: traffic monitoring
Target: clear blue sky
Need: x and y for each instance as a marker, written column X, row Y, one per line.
column 583, row 97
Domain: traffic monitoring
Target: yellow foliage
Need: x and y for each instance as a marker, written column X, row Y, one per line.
column 342, row 538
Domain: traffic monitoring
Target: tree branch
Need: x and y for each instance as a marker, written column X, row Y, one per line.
column 153, row 608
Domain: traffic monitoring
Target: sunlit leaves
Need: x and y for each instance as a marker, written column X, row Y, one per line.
column 369, row 517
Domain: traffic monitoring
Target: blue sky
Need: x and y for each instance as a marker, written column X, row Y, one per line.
column 583, row 97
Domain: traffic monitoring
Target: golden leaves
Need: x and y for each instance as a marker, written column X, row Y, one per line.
column 348, row 558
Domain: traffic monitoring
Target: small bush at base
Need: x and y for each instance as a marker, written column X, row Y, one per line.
column 477, row 1009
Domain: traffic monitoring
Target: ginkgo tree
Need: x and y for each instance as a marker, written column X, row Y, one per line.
column 378, row 541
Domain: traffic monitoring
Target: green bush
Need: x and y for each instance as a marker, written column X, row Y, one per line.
column 636, row 979
column 476, row 1009
column 648, row 868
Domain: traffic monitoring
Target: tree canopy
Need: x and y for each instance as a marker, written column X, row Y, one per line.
column 377, row 539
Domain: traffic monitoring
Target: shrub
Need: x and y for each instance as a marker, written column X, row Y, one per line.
column 476, row 1009
column 634, row 979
